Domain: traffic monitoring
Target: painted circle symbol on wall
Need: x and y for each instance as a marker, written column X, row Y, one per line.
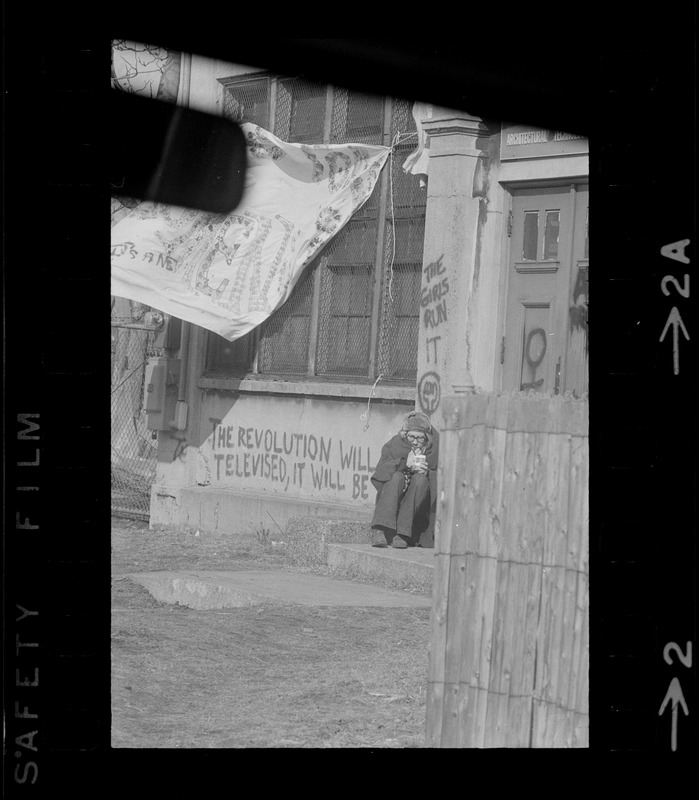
column 429, row 392
column 535, row 360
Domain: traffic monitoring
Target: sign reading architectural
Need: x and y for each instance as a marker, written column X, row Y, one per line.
column 524, row 141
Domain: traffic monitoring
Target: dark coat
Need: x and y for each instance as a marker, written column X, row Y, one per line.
column 393, row 458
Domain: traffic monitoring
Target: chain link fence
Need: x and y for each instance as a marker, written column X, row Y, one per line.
column 133, row 447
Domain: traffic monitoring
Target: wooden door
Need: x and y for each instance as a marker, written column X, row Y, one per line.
column 547, row 291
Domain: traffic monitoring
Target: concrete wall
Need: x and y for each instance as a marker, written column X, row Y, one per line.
column 267, row 457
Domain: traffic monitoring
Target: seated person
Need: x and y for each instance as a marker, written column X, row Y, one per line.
column 406, row 481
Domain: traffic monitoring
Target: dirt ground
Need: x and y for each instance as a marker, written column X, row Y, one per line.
column 258, row 677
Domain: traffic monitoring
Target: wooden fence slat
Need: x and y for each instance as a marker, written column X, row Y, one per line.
column 459, row 626
column 447, row 480
column 554, row 581
column 517, row 611
column 563, row 607
column 581, row 730
column 577, row 504
column 582, row 692
column 498, row 684
column 515, row 458
column 525, row 656
column 489, row 528
column 469, row 490
column 489, row 535
column 472, row 701
column 542, row 680
column 577, row 632
column 437, row 649
column 434, row 713
column 531, row 535
column 510, row 449
column 554, row 584
column 556, row 542
column 567, row 651
column 453, row 720
column 539, row 722
column 488, row 576
column 543, row 629
column 465, row 664
column 444, row 525
column 581, row 684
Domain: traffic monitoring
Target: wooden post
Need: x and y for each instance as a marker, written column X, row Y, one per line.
column 508, row 661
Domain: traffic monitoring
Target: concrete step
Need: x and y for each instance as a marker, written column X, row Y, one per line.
column 212, row 589
column 401, row 569
column 344, row 546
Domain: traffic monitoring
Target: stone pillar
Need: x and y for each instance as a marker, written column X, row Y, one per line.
column 451, row 227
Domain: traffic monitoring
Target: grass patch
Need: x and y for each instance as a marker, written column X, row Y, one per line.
column 264, row 676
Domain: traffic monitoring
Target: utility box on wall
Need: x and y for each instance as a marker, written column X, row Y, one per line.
column 160, row 392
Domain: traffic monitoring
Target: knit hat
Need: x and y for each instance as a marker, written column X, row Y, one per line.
column 416, row 421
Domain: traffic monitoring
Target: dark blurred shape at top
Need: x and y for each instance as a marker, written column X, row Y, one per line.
column 521, row 80
column 169, row 154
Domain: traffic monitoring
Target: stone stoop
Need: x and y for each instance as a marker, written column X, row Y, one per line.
column 343, row 547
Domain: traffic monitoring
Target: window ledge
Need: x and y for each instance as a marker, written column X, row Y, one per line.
column 309, row 388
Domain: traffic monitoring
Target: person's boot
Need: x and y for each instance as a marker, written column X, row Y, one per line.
column 400, row 542
column 378, row 538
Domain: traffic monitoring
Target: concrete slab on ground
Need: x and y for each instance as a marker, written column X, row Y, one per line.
column 413, row 566
column 235, row 589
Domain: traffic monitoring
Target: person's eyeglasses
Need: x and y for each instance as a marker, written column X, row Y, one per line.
column 417, row 437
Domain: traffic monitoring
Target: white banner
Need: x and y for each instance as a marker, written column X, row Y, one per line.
column 228, row 273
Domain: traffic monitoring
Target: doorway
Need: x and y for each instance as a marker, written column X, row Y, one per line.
column 545, row 347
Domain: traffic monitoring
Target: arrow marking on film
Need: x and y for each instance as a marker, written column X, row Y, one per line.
column 676, row 321
column 674, row 694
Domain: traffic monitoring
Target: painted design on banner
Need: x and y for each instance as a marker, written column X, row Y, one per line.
column 228, row 273
column 261, row 147
column 318, row 168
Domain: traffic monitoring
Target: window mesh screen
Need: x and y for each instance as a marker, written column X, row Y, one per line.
column 356, row 118
column 404, row 233
column 285, row 336
column 347, row 284
column 400, row 312
column 348, row 281
column 344, row 320
column 248, row 102
column 402, row 120
column 230, row 357
column 300, row 111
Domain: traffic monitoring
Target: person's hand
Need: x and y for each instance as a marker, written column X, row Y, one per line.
column 416, row 462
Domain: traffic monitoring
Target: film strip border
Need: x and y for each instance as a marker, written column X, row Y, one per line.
column 643, row 336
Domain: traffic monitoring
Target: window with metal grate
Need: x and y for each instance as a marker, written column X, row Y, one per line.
column 355, row 311
column 248, row 101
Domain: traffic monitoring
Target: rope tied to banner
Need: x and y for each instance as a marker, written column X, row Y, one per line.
column 367, row 414
column 397, row 139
